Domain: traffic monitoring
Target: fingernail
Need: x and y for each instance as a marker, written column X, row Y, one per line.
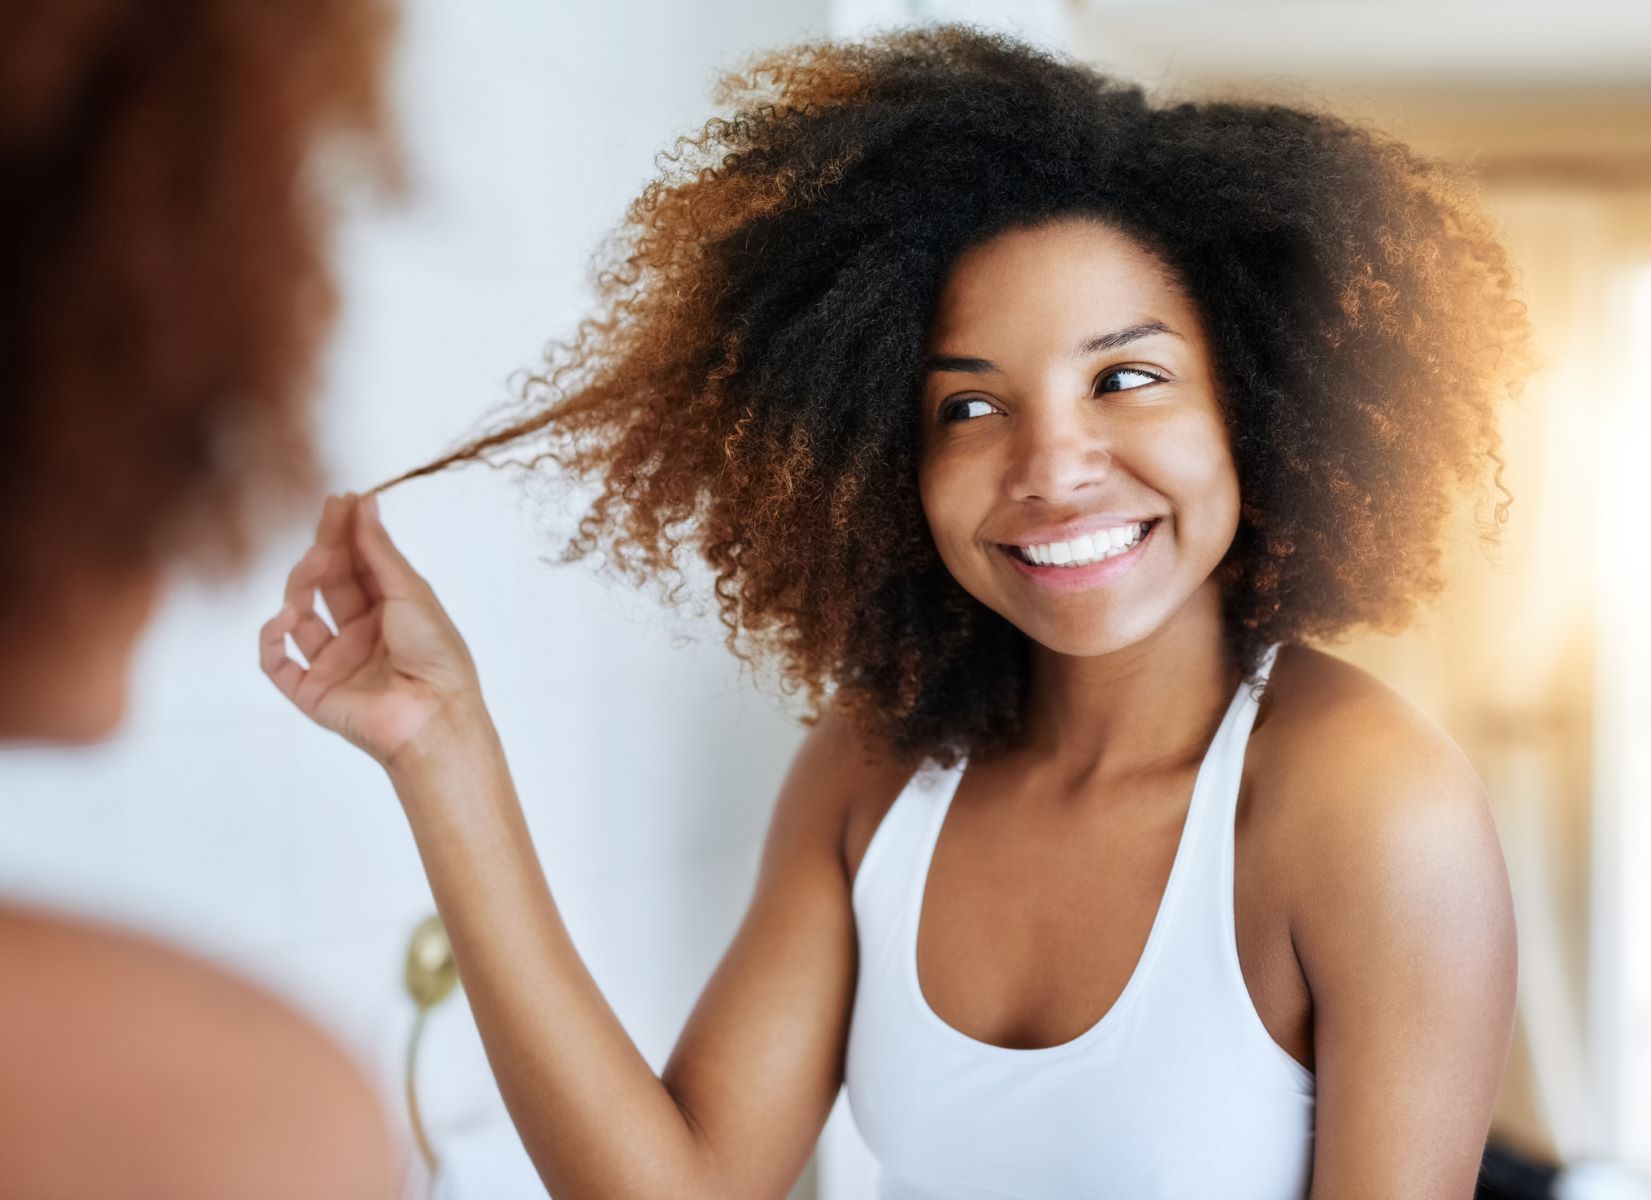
column 372, row 505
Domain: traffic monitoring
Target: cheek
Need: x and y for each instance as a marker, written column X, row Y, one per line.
column 954, row 499
column 1201, row 478
column 934, row 495
column 1221, row 487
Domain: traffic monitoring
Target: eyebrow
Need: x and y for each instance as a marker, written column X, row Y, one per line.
column 1095, row 345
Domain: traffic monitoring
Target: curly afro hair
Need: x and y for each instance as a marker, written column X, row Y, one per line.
column 164, row 272
column 750, row 384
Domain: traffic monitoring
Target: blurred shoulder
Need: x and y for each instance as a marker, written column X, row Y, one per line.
column 134, row 1069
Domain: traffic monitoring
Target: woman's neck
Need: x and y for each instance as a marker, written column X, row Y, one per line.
column 1153, row 702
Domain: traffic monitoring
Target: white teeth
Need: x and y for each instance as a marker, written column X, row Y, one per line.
column 1104, row 543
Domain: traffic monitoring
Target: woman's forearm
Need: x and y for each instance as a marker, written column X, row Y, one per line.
column 594, row 1117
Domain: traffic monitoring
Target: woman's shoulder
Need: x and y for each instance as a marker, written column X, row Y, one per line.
column 1339, row 760
column 1390, row 872
column 856, row 775
column 173, row 1063
column 1321, row 716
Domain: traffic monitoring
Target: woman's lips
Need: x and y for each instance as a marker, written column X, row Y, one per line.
column 1075, row 579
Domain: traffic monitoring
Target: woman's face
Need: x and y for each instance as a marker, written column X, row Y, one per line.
column 1069, row 401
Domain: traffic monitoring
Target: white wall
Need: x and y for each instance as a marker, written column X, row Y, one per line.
column 222, row 819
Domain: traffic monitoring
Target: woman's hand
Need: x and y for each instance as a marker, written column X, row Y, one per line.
column 394, row 665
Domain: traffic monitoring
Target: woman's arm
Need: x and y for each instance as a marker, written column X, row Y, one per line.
column 753, row 1078
column 1404, row 927
column 754, row 1075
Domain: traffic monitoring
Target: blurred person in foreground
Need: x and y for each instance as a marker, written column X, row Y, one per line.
column 164, row 293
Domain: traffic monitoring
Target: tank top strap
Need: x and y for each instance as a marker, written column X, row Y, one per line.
column 896, row 854
column 1219, row 778
column 1199, row 982
column 1181, row 931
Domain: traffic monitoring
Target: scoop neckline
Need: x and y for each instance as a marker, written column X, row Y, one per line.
column 1196, row 805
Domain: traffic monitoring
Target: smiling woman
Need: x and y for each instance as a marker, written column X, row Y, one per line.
column 768, row 314
column 1035, row 425
column 1131, row 414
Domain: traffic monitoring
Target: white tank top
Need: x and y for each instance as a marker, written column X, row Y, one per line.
column 1178, row 1092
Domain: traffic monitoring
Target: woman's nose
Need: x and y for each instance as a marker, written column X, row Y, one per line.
column 1057, row 449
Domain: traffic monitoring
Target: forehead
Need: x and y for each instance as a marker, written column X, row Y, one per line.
column 1054, row 278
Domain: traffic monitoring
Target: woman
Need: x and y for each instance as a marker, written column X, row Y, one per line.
column 164, row 292
column 1034, row 428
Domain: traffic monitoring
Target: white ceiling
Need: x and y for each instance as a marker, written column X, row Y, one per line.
column 1432, row 44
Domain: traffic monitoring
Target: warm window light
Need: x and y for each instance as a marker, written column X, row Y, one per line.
column 1621, row 967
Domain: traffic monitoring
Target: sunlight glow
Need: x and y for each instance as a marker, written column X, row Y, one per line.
column 1622, row 956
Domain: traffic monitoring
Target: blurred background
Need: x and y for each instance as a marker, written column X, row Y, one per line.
column 648, row 762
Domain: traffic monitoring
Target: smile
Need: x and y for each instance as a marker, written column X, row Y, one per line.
column 1083, row 562
column 1081, row 551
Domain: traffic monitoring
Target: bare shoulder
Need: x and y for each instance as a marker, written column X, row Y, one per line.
column 133, row 1069
column 853, row 776
column 1379, row 813
column 1401, row 918
column 1332, row 741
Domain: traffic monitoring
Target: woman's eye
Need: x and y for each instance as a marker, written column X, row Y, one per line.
column 956, row 410
column 1118, row 379
column 1106, row 377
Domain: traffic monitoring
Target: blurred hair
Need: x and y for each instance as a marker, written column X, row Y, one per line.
column 164, row 280
column 750, row 384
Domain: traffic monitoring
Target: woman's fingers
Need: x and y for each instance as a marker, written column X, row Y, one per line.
column 341, row 589
column 307, row 685
column 312, row 635
column 343, row 572
column 308, row 630
column 389, row 572
column 272, row 653
column 330, row 567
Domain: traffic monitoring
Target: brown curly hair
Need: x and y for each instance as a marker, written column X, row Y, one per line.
column 750, row 384
column 164, row 280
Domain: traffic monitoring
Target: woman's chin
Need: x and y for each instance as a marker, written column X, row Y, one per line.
column 1080, row 637
column 1089, row 646
column 76, row 729
column 69, row 676
column 64, row 711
